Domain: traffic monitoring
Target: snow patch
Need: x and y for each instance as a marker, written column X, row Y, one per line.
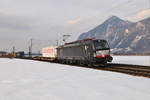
column 136, row 40
column 115, row 38
column 119, row 43
column 140, row 25
column 135, row 60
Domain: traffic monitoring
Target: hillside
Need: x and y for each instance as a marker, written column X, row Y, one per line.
column 124, row 37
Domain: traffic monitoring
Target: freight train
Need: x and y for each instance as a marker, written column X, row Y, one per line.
column 83, row 52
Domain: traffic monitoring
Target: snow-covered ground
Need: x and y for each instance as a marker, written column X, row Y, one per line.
column 135, row 60
column 33, row 80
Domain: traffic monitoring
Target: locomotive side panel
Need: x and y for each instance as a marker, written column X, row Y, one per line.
column 73, row 52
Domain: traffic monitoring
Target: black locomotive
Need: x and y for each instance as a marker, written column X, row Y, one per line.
column 89, row 51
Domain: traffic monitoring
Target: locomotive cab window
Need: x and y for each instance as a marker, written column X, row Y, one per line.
column 101, row 44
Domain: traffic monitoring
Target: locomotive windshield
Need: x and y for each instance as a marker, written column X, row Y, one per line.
column 101, row 44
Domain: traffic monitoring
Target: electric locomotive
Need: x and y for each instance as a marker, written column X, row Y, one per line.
column 89, row 51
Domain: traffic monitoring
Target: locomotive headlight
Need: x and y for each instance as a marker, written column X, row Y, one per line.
column 102, row 52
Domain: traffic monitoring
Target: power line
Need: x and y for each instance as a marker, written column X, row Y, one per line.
column 133, row 13
column 120, row 5
column 138, row 10
column 65, row 37
column 148, row 4
column 57, row 42
column 30, row 48
column 126, row 3
column 13, row 49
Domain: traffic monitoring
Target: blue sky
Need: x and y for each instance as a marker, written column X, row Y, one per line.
column 45, row 21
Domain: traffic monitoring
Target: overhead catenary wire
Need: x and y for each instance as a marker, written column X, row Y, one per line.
column 126, row 3
column 135, row 12
column 148, row 4
column 120, row 5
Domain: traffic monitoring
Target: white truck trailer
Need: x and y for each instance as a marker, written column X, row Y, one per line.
column 49, row 52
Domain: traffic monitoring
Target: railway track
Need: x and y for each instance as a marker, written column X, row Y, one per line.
column 135, row 70
column 129, row 69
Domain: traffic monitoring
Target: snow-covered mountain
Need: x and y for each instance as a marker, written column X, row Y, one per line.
column 123, row 36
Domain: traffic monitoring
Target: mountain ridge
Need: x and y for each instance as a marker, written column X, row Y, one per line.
column 123, row 36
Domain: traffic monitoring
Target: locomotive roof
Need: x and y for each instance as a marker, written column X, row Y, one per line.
column 75, row 43
column 78, row 42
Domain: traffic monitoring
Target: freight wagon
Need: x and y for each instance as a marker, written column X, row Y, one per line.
column 49, row 53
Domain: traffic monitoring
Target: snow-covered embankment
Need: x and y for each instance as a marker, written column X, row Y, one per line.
column 33, row 80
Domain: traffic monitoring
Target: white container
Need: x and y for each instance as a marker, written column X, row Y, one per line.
column 49, row 52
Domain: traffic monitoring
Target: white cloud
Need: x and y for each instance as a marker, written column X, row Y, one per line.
column 140, row 15
column 74, row 21
column 12, row 22
column 5, row 12
column 143, row 13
